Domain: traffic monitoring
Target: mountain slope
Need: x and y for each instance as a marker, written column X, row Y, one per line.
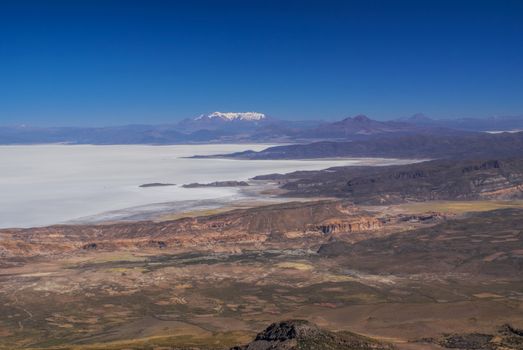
column 308, row 220
column 434, row 180
column 410, row 146
column 360, row 126
column 482, row 243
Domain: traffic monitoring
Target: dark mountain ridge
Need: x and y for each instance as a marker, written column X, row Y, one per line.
column 433, row 180
column 496, row 123
column 416, row 146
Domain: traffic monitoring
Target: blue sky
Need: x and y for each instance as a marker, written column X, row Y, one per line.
column 118, row 62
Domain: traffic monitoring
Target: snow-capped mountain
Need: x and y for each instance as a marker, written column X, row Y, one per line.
column 230, row 116
column 227, row 122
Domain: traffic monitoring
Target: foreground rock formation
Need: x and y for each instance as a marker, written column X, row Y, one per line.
column 506, row 338
column 304, row 335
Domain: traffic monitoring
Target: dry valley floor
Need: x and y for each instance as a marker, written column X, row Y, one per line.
column 400, row 276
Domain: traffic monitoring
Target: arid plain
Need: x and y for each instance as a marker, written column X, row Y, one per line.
column 392, row 273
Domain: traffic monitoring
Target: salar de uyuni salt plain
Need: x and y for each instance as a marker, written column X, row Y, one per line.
column 50, row 184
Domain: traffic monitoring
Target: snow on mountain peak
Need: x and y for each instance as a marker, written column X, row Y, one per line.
column 229, row 116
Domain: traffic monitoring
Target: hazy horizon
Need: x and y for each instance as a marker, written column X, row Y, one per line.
column 175, row 121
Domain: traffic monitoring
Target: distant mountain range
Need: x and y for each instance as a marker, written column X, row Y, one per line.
column 360, row 127
column 219, row 127
column 493, row 124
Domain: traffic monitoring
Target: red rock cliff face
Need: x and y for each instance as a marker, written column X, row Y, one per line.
column 313, row 220
column 364, row 223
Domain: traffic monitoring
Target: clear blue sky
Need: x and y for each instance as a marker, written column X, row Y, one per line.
column 76, row 62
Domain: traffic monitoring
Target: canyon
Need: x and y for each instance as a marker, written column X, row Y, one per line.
column 247, row 227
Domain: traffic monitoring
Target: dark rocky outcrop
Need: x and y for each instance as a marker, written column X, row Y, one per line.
column 431, row 217
column 467, row 341
column 303, row 335
column 157, row 244
column 334, row 249
column 90, row 246
column 507, row 338
column 511, row 337
column 155, row 184
column 508, row 331
column 217, row 184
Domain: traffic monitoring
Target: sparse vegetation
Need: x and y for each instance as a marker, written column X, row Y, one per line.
column 208, row 300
